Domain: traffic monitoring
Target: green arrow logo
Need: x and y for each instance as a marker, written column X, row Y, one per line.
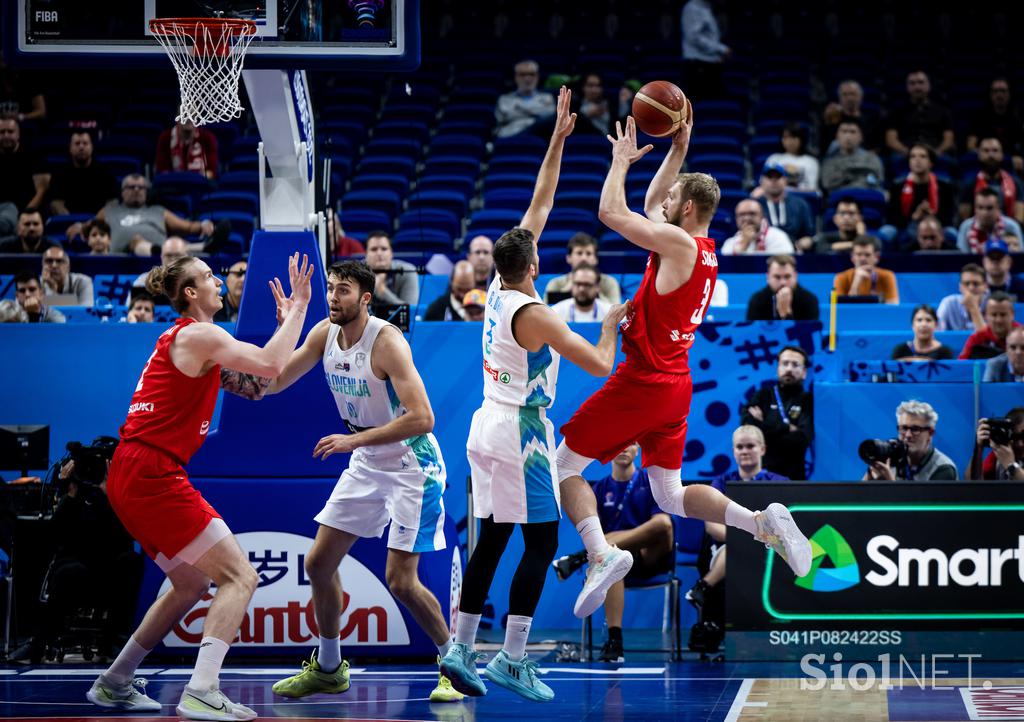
column 827, row 543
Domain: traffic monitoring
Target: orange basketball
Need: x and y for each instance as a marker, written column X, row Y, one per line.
column 659, row 108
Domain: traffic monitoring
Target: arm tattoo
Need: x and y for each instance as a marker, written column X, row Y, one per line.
column 248, row 386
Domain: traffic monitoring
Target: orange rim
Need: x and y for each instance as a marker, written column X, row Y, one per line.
column 190, row 26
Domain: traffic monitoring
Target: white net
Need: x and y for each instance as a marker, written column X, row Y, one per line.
column 207, row 56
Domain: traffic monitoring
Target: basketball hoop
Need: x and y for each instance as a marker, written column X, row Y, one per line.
column 207, row 54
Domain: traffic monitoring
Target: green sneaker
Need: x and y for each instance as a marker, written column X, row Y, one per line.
column 311, row 680
column 444, row 692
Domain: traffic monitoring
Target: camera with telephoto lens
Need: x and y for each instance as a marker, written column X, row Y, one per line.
column 872, row 450
column 91, row 461
column 1000, row 431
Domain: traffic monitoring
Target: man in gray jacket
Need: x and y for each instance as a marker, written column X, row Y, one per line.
column 59, row 281
column 1008, row 367
column 397, row 281
column 852, row 166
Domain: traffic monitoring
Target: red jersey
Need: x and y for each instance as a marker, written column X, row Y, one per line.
column 171, row 411
column 659, row 331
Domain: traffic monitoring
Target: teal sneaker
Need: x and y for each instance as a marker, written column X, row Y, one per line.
column 613, row 565
column 519, row 677
column 459, row 666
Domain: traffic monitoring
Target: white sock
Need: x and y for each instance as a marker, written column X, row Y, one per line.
column 740, row 517
column 517, row 630
column 123, row 669
column 329, row 654
column 465, row 628
column 206, row 675
column 442, row 649
column 593, row 536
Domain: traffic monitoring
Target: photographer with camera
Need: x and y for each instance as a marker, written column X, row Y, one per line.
column 95, row 565
column 1005, row 436
column 911, row 456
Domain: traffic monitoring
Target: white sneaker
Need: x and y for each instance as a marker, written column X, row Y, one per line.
column 211, row 705
column 130, row 696
column 613, row 566
column 777, row 530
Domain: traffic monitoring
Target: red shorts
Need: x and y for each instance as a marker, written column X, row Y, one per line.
column 634, row 405
column 153, row 498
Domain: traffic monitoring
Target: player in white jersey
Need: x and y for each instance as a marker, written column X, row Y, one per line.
column 396, row 473
column 511, row 446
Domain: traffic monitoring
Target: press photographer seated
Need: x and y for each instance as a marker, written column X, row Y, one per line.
column 912, row 456
column 1005, row 437
column 95, row 566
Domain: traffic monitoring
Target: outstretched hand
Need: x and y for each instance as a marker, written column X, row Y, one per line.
column 298, row 277
column 565, row 121
column 624, row 144
column 681, row 138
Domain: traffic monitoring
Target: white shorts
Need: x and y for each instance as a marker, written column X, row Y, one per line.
column 207, row 539
column 511, row 452
column 405, row 489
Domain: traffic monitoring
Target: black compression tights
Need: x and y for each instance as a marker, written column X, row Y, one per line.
column 541, row 543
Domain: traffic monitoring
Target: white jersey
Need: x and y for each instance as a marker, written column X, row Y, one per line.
column 364, row 401
column 513, row 375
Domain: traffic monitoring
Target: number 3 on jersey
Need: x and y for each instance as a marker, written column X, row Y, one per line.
column 698, row 315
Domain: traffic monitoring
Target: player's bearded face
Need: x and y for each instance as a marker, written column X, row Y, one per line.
column 344, row 306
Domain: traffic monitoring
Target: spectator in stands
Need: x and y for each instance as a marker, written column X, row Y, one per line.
column 786, row 212
column 518, row 110
column 703, row 50
column 754, row 234
column 924, row 346
column 920, row 194
column 12, row 312
column 595, row 115
column 83, row 184
column 481, row 255
column 187, row 149
column 448, row 307
column 784, row 412
column 915, row 423
column 474, row 303
column 632, row 521
column 987, row 224
column 172, row 249
column 1008, row 367
column 137, row 227
column 850, row 97
column 397, row 281
column 748, row 449
column 990, row 340
column 59, row 280
column 29, row 294
column 1005, row 461
column 140, row 310
column 998, row 265
column 930, row 238
column 849, row 225
column 235, row 281
column 1000, row 119
column 582, row 248
column 584, row 305
column 782, row 298
column 97, row 235
column 962, row 311
column 341, row 245
column 991, row 175
column 851, row 166
column 801, row 167
column 18, row 101
column 23, row 175
column 866, row 278
column 921, row 121
column 30, row 238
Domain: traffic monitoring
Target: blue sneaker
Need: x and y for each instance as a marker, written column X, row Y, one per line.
column 459, row 666
column 519, row 677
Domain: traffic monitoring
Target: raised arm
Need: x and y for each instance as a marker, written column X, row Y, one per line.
column 393, row 358
column 666, row 176
column 536, row 324
column 543, row 200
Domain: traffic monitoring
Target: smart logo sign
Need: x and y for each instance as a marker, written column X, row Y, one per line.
column 877, row 562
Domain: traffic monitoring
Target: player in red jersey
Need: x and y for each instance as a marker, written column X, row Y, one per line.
column 647, row 399
column 168, row 419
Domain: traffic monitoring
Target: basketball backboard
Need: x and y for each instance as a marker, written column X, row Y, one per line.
column 350, row 34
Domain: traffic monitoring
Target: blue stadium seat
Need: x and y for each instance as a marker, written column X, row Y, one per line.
column 555, row 238
column 125, row 144
column 454, row 126
column 431, row 218
column 514, row 165
column 454, row 183
column 120, row 165
column 449, row 201
column 245, row 162
column 229, row 201
column 811, row 198
column 193, row 185
column 586, row 200
column 731, row 198
column 523, row 144
column 241, row 223
column 393, row 182
column 715, row 164
column 732, row 181
column 732, row 128
column 867, row 198
column 452, row 165
column 58, row 225
column 471, row 112
column 402, row 129
column 499, row 218
column 572, row 219
column 584, row 182
column 587, row 145
column 387, row 202
column 414, row 114
column 715, row 144
column 179, row 205
column 352, row 130
column 517, row 199
column 586, row 165
column 388, row 164
column 409, row 147
column 242, row 145
column 239, row 180
column 360, row 221
column 466, row 145
column 503, row 181
column 423, row 240
column 708, row 112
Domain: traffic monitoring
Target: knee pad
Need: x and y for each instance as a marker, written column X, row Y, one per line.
column 569, row 463
column 667, row 489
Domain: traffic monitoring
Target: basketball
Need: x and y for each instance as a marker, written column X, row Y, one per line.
column 659, row 108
